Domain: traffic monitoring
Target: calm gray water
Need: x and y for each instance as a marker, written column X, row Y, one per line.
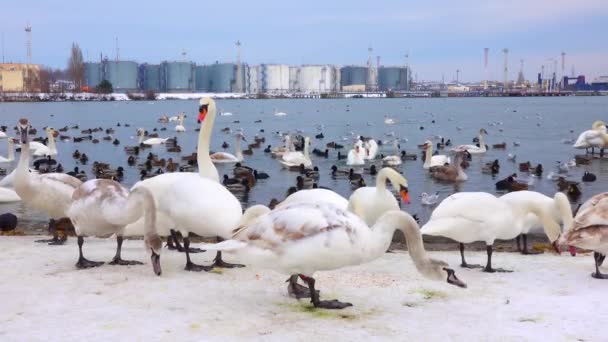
column 516, row 117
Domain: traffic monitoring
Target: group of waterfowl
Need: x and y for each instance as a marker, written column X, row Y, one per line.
column 313, row 228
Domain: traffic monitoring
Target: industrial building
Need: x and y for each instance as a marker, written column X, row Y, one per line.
column 353, row 78
column 122, row 75
column 273, row 78
column 93, row 74
column 177, row 77
column 220, row 77
column 252, row 79
column 17, row 77
column 149, row 77
column 314, row 79
column 392, row 78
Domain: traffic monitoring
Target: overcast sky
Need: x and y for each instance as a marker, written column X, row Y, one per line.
column 439, row 35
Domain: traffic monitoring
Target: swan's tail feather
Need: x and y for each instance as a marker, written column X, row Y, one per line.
column 228, row 245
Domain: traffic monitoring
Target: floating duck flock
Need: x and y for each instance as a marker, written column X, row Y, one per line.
column 311, row 228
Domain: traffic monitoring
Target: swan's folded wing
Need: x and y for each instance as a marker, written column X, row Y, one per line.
column 63, row 179
column 473, row 206
column 596, row 215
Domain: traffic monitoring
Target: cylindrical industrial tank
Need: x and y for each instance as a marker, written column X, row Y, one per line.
column 353, row 75
column 274, row 78
column 179, row 76
column 252, row 79
column 92, row 74
column 392, row 78
column 151, row 77
column 202, row 78
column 122, row 75
column 317, row 79
column 223, row 77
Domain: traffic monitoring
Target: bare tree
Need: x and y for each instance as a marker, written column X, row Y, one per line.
column 76, row 67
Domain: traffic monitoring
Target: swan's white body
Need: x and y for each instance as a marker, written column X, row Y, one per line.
column 558, row 208
column 279, row 113
column 316, row 196
column 302, row 238
column 211, row 209
column 50, row 192
column 369, row 203
column 3, row 135
column 8, row 195
column 158, row 185
column 431, row 160
column 180, row 127
column 222, row 113
column 225, row 157
column 356, row 155
column 388, row 120
column 291, row 159
column 280, row 151
column 474, row 149
column 39, row 149
column 10, row 156
column 594, row 137
column 590, row 226
column 155, row 141
column 394, row 160
column 371, row 149
column 478, row 216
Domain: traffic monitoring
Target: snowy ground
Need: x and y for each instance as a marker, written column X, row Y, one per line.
column 45, row 298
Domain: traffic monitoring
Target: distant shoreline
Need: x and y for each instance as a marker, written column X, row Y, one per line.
column 90, row 97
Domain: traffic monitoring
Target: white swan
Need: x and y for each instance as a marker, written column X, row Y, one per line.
column 155, row 141
column 280, row 151
column 50, row 192
column 102, row 207
column 558, row 208
column 474, row 149
column 158, row 184
column 303, row 238
column 8, row 195
column 212, row 211
column 371, row 149
column 595, row 137
column 369, row 203
column 279, row 113
column 355, row 156
column 431, row 160
column 388, row 120
column 39, row 149
column 10, row 152
column 180, row 126
column 316, row 196
column 394, row 160
column 3, row 135
column 225, row 157
column 590, row 230
column 478, row 216
column 294, row 159
column 222, row 113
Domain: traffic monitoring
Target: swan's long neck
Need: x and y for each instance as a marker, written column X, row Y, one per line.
column 429, row 156
column 396, row 147
column 482, row 144
column 306, row 143
column 238, row 152
column 565, row 211
column 140, row 139
column 384, row 230
column 551, row 227
column 181, row 120
column 288, row 143
column 390, row 174
column 11, row 150
column 205, row 165
column 141, row 199
column 22, row 171
column 52, row 146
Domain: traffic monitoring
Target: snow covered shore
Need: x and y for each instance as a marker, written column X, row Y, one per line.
column 45, row 298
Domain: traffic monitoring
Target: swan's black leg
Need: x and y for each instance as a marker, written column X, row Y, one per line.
column 464, row 262
column 488, row 267
column 218, row 262
column 175, row 239
column 296, row 290
column 599, row 259
column 118, row 260
column 325, row 304
column 525, row 251
column 82, row 262
column 190, row 266
column 53, row 230
column 170, row 244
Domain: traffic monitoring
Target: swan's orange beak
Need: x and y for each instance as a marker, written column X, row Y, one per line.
column 202, row 112
column 405, row 195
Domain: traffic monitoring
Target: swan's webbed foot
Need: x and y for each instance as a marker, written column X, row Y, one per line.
column 598, row 275
column 190, row 266
column 493, row 270
column 333, row 304
column 119, row 261
column 599, row 260
column 218, row 262
column 296, row 290
column 57, row 241
column 470, row 266
column 389, row 251
column 49, row 241
column 84, row 263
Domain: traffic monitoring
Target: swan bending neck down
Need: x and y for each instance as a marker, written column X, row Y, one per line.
column 478, row 216
column 301, row 238
column 50, row 193
column 369, row 203
column 103, row 207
